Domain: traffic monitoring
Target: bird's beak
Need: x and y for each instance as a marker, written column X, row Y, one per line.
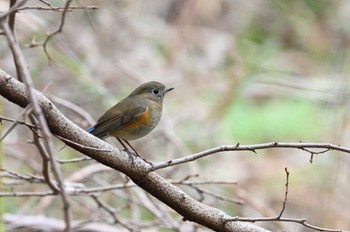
column 167, row 90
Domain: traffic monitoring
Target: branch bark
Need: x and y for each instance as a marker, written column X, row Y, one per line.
column 137, row 169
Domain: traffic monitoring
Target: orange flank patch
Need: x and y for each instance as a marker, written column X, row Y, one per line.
column 138, row 128
column 142, row 119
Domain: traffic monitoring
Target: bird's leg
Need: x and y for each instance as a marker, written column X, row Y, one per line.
column 125, row 148
column 136, row 153
column 121, row 141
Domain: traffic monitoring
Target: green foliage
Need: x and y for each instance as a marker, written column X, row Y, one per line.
column 274, row 120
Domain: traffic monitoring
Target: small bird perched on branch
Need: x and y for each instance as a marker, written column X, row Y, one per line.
column 133, row 117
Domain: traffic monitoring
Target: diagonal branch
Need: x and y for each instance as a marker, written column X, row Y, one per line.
column 137, row 169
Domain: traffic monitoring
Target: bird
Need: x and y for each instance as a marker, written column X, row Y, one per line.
column 133, row 117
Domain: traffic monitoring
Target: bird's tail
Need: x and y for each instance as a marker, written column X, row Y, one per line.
column 90, row 129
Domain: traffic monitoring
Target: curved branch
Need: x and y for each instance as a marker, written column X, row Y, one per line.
column 137, row 169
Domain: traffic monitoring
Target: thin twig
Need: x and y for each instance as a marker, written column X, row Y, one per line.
column 59, row 30
column 57, row 9
column 111, row 211
column 24, row 74
column 16, row 122
column 82, row 146
column 203, row 192
column 13, row 8
column 92, row 190
column 27, row 194
column 279, row 216
column 203, row 182
column 45, row 159
column 238, row 147
column 11, row 15
column 74, row 160
column 73, row 107
column 27, row 178
column 301, row 221
column 285, row 194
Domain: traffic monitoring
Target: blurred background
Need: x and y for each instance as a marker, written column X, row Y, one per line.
column 243, row 71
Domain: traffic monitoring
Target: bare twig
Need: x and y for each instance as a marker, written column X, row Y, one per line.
column 111, row 211
column 313, row 153
column 203, row 182
column 26, row 194
column 285, row 194
column 27, row 178
column 203, row 192
column 46, row 159
column 80, row 145
column 73, row 107
column 259, row 205
column 11, row 15
column 13, row 7
column 301, row 146
column 59, row 30
column 152, row 206
column 295, row 220
column 74, row 160
column 279, row 217
column 44, row 223
column 57, row 9
column 45, row 3
column 91, row 190
column 24, row 74
column 16, row 122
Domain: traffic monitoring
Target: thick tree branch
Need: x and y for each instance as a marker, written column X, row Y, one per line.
column 137, row 169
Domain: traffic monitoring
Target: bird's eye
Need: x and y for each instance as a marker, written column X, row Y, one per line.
column 155, row 91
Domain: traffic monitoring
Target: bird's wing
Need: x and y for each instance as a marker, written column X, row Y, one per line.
column 114, row 118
